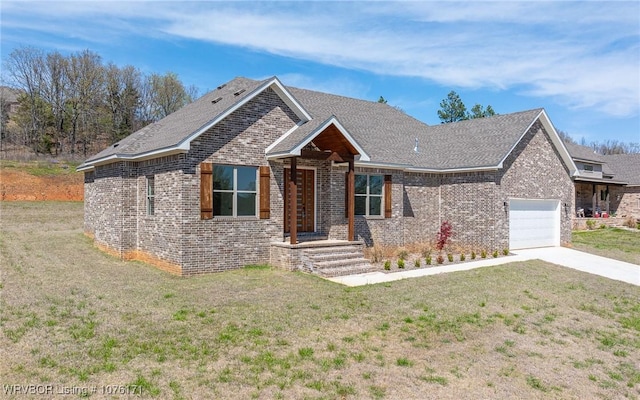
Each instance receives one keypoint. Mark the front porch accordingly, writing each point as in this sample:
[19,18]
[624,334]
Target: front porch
[327,258]
[580,224]
[596,199]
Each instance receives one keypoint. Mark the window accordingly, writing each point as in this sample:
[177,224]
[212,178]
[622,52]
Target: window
[151,194]
[368,200]
[234,191]
[588,167]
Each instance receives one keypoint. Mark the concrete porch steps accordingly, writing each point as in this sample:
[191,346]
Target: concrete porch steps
[336,260]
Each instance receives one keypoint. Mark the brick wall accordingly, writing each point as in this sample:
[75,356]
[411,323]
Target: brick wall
[629,203]
[535,170]
[227,243]
[103,207]
[178,240]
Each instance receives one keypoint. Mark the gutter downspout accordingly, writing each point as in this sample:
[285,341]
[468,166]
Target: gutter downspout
[440,204]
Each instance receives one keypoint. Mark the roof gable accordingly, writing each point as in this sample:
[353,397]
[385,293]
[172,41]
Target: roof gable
[292,144]
[174,133]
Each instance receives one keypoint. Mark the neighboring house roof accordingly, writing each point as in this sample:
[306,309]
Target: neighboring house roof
[382,135]
[621,169]
[626,167]
[584,153]
[9,95]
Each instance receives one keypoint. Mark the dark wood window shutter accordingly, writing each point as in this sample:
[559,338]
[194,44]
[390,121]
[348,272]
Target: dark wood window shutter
[387,196]
[206,190]
[265,192]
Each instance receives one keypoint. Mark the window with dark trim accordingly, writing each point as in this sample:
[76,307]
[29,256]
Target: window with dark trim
[234,191]
[151,194]
[368,201]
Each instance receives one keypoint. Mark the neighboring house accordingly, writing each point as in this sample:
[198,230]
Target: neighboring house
[210,188]
[626,198]
[606,183]
[9,100]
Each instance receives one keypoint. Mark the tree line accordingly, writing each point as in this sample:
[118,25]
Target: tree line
[76,103]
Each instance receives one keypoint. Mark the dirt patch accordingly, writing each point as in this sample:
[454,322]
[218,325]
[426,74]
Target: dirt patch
[19,185]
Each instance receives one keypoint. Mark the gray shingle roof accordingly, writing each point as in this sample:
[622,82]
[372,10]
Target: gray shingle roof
[386,134]
[625,166]
[584,153]
[389,135]
[483,142]
[176,127]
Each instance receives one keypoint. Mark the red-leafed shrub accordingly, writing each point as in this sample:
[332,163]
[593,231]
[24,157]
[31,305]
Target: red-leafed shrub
[444,234]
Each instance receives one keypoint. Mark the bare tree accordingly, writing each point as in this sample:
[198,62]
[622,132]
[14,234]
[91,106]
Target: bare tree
[85,74]
[168,94]
[122,98]
[54,91]
[25,67]
[70,101]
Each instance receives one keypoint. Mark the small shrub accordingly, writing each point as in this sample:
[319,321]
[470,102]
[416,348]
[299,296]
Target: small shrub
[495,254]
[462,257]
[603,226]
[440,259]
[417,263]
[426,252]
[450,257]
[473,255]
[638,225]
[387,265]
[444,234]
[403,254]
[483,254]
[591,224]
[630,222]
[505,252]
[427,260]
[376,254]
[400,263]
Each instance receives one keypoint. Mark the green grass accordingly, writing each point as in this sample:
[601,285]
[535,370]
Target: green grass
[41,168]
[616,243]
[70,313]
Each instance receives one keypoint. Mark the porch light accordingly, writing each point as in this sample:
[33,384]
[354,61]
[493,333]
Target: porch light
[505,205]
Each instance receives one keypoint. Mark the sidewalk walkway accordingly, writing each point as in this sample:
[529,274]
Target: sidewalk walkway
[609,268]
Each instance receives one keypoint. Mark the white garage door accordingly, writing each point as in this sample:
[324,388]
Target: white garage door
[534,223]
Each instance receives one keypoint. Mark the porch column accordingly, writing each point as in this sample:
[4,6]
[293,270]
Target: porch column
[351,196]
[293,203]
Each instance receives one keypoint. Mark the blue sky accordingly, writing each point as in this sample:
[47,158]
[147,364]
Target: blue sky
[580,61]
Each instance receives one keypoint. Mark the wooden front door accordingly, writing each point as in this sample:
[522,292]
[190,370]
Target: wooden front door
[305,181]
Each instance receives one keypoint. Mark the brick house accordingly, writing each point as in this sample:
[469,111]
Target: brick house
[258,172]
[606,183]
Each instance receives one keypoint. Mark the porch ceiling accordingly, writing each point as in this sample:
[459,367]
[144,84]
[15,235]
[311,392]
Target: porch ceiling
[332,139]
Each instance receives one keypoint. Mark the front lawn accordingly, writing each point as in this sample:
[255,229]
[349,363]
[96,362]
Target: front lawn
[73,317]
[616,243]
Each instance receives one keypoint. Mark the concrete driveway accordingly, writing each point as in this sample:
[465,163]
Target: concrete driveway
[585,262]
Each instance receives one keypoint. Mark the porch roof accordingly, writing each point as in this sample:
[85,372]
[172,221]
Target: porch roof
[586,179]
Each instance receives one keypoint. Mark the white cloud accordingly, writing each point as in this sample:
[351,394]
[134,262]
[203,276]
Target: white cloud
[582,55]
